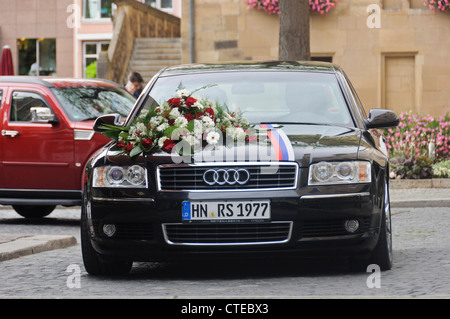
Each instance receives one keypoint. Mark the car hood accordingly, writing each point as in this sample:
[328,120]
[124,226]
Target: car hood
[304,144]
[313,143]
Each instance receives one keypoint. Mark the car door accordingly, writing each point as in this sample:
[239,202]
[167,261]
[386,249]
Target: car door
[35,154]
[3,91]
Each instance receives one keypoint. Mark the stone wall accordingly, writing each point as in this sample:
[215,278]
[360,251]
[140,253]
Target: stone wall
[403,65]
[35,19]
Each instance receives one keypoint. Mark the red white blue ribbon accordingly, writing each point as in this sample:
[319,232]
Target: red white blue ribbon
[280,142]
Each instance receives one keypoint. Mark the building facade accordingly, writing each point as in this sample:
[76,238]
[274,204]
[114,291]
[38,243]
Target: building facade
[61,38]
[396,52]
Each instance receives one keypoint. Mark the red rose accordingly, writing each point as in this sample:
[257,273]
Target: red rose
[190,101]
[174,102]
[120,144]
[129,147]
[189,117]
[198,114]
[147,143]
[168,145]
[209,111]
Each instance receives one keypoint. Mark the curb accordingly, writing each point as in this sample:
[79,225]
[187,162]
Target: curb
[15,247]
[420,203]
[419,183]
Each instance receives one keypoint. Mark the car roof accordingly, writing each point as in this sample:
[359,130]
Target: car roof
[51,82]
[315,66]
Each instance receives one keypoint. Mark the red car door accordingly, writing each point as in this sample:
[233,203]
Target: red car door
[35,155]
[3,92]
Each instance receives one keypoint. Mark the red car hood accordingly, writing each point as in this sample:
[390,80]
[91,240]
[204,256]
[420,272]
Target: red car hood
[85,125]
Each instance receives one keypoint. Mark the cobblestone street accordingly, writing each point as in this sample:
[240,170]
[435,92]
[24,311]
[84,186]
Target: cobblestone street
[421,267]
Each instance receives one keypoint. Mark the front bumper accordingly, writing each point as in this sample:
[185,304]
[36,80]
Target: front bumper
[302,224]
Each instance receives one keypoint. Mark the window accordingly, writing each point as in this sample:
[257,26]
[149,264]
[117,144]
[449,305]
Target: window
[23,104]
[165,5]
[87,103]
[312,97]
[91,53]
[322,58]
[37,56]
[97,9]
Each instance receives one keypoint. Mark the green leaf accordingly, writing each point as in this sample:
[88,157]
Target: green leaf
[190,126]
[136,151]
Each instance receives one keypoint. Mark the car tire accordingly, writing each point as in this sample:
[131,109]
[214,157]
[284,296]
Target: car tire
[93,264]
[33,211]
[382,254]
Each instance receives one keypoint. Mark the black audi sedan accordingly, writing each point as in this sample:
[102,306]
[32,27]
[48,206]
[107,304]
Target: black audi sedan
[305,174]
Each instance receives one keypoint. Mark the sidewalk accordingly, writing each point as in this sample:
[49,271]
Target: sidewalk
[420,197]
[18,245]
[15,246]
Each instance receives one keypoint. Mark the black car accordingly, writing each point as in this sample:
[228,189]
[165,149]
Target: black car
[317,184]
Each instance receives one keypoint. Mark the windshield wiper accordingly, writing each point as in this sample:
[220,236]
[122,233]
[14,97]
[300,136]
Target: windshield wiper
[308,123]
[295,123]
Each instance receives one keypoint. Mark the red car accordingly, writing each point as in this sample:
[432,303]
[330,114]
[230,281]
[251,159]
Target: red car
[47,137]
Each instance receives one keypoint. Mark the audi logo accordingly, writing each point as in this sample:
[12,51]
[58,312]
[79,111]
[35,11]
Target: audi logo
[223,176]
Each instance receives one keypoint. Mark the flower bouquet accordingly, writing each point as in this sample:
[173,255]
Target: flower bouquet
[182,124]
[272,6]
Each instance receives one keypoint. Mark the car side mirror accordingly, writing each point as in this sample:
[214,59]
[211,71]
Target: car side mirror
[43,115]
[380,118]
[101,123]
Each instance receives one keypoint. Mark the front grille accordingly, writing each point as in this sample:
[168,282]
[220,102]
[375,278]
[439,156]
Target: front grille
[329,228]
[173,177]
[227,234]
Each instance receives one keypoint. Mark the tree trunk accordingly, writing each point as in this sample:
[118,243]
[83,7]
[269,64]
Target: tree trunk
[294,30]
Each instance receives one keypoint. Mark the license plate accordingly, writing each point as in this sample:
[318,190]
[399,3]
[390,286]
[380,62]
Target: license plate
[226,211]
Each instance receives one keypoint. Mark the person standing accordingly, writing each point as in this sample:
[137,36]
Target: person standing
[135,84]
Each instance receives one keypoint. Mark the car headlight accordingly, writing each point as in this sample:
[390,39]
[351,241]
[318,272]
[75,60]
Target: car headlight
[134,176]
[327,173]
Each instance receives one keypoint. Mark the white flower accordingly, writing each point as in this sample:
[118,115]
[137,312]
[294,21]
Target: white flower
[181,121]
[213,138]
[198,105]
[162,127]
[155,121]
[182,93]
[174,113]
[207,122]
[161,141]
[141,128]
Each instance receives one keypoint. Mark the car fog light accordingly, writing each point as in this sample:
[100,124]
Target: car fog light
[351,225]
[109,229]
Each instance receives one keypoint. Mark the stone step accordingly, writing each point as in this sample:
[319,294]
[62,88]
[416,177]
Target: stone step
[138,56]
[150,55]
[150,62]
[157,44]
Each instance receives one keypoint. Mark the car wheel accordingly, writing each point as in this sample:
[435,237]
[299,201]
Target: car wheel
[382,254]
[93,264]
[33,211]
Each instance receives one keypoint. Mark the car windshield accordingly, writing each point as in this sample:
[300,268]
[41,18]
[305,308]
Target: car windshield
[266,97]
[87,103]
